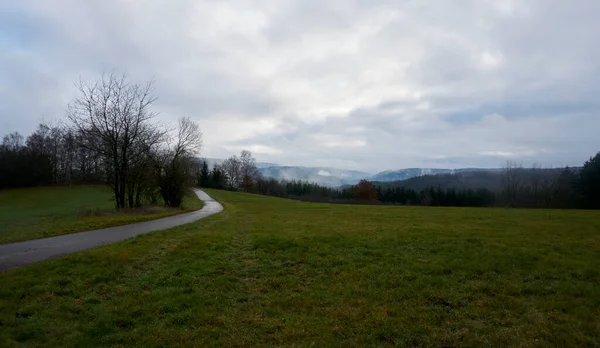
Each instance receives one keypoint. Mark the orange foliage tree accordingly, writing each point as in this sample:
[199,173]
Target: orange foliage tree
[365,191]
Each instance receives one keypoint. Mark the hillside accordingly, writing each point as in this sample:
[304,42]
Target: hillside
[415,178]
[212,161]
[276,272]
[324,176]
[474,179]
[332,177]
[464,180]
[404,174]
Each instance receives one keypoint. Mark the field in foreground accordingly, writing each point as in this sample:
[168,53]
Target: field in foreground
[268,271]
[50,211]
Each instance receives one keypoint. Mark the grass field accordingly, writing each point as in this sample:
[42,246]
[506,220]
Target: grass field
[49,211]
[276,272]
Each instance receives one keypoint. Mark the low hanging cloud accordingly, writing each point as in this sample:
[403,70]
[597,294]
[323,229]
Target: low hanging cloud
[368,85]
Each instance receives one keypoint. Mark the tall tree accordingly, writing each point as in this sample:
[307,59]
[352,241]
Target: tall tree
[512,181]
[564,195]
[217,178]
[114,119]
[248,171]
[20,166]
[178,161]
[365,191]
[588,183]
[12,141]
[535,181]
[233,175]
[203,174]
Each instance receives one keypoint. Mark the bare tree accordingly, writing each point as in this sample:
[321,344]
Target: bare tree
[69,161]
[512,177]
[232,169]
[113,117]
[248,171]
[21,166]
[536,178]
[178,167]
[49,140]
[240,172]
[188,140]
[13,141]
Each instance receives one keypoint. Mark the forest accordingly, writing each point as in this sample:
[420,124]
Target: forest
[110,136]
[514,186]
[60,155]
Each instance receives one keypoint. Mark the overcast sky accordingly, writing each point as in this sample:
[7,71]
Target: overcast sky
[371,85]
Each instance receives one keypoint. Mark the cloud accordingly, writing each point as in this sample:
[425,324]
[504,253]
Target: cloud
[256,149]
[364,85]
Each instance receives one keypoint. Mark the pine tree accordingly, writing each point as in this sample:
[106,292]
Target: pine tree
[588,183]
[204,175]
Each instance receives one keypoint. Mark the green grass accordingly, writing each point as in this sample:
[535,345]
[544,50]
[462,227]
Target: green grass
[49,211]
[275,272]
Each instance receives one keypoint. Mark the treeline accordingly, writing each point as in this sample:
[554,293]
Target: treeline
[438,197]
[519,187]
[368,193]
[235,173]
[491,180]
[51,155]
[109,136]
[542,188]
[240,174]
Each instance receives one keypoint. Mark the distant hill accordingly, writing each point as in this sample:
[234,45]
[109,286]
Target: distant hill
[325,176]
[416,178]
[212,161]
[404,174]
[333,177]
[472,179]
[461,180]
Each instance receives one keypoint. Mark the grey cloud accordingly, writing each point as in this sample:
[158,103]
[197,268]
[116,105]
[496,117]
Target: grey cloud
[365,85]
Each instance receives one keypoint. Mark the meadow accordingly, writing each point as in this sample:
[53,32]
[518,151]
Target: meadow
[275,272]
[41,212]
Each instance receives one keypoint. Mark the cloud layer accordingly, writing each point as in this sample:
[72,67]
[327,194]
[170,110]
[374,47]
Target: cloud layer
[368,85]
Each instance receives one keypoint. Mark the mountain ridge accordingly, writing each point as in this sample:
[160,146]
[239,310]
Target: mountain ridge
[336,177]
[326,176]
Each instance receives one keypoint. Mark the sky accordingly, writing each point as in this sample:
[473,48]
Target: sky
[366,85]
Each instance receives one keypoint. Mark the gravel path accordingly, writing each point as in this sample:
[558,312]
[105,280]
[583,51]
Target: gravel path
[15,255]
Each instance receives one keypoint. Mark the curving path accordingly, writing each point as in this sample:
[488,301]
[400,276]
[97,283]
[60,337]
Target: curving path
[15,255]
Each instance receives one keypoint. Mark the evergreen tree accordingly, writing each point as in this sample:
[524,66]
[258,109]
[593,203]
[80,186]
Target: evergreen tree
[588,183]
[203,174]
[564,194]
[216,178]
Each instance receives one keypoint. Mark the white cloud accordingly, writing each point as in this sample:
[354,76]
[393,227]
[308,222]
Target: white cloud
[262,149]
[508,154]
[489,60]
[364,85]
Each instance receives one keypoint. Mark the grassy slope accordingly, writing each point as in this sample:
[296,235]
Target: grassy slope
[277,272]
[49,211]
